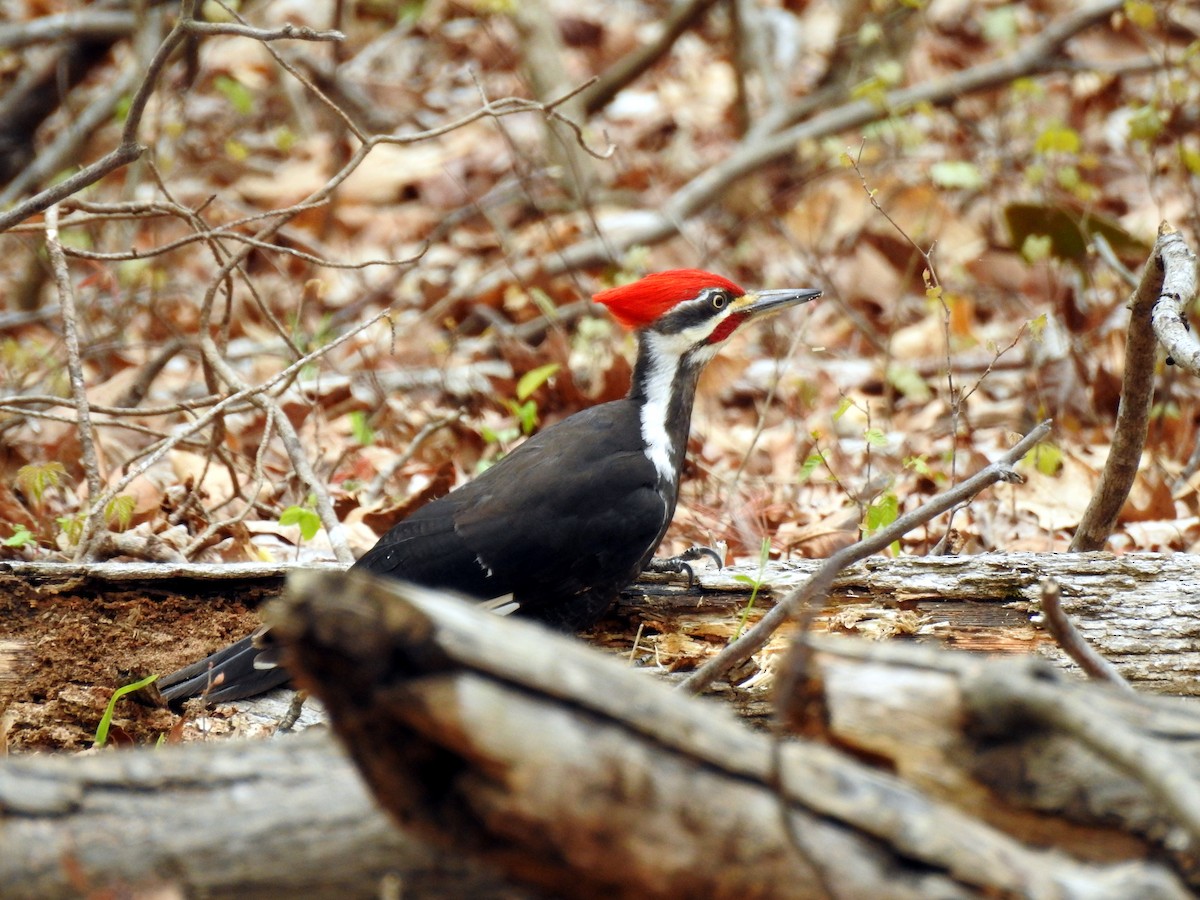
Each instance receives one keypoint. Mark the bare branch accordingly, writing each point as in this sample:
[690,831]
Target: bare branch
[91,24]
[375,490]
[87,435]
[223,406]
[1074,644]
[1133,413]
[1169,317]
[817,586]
[286,32]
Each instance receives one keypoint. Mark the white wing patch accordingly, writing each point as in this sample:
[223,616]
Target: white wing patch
[504,605]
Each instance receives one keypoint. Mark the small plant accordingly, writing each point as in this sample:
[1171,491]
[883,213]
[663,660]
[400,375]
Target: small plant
[71,526]
[20,537]
[756,583]
[524,408]
[101,737]
[361,429]
[119,510]
[883,511]
[303,516]
[37,478]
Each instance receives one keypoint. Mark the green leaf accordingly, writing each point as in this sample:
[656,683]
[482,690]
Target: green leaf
[883,512]
[36,478]
[1036,247]
[875,437]
[842,408]
[361,429]
[120,509]
[1046,458]
[810,466]
[527,415]
[19,538]
[72,527]
[236,150]
[307,519]
[1057,139]
[918,465]
[1140,13]
[238,95]
[956,174]
[1000,25]
[106,719]
[534,379]
[1146,124]
[909,382]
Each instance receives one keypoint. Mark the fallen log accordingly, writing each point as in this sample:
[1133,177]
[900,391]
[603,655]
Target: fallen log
[1141,610]
[263,819]
[492,740]
[585,777]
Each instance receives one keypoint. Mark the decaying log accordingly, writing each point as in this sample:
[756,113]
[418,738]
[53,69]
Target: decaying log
[1140,610]
[277,819]
[586,777]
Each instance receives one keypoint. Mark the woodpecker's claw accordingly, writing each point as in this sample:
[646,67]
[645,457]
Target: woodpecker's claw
[678,565]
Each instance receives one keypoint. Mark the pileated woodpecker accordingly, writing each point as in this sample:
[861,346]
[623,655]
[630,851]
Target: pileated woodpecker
[558,527]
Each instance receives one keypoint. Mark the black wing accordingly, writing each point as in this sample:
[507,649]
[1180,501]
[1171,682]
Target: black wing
[574,509]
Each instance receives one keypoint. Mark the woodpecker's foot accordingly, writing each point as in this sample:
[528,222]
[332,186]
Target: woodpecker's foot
[678,565]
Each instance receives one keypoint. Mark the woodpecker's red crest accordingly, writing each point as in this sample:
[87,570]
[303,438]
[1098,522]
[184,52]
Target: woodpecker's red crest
[638,304]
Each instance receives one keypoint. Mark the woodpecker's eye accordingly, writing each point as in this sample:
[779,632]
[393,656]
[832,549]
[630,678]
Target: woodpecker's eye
[718,299]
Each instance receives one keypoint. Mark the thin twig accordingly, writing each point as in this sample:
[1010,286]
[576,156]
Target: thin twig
[1039,55]
[818,585]
[225,405]
[286,32]
[87,435]
[201,540]
[1072,642]
[379,482]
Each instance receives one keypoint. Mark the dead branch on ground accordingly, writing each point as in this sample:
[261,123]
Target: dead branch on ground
[1137,389]
[263,819]
[799,601]
[577,774]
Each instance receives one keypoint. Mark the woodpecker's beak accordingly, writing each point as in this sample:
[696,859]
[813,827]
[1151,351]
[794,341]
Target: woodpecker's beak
[764,303]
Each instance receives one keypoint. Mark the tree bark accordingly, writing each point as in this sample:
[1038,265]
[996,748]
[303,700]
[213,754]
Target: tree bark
[580,775]
[276,819]
[1139,610]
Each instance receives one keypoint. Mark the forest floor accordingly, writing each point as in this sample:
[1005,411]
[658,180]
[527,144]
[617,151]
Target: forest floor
[431,307]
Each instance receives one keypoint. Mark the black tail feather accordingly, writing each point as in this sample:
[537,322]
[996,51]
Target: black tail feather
[228,674]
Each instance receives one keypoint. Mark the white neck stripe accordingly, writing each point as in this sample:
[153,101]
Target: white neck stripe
[659,381]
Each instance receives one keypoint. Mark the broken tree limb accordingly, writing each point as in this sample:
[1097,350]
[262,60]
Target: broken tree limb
[1170,256]
[1093,758]
[1177,291]
[274,819]
[803,600]
[583,776]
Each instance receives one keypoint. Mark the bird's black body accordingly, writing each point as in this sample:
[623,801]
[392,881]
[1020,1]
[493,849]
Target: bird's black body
[562,523]
[558,526]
